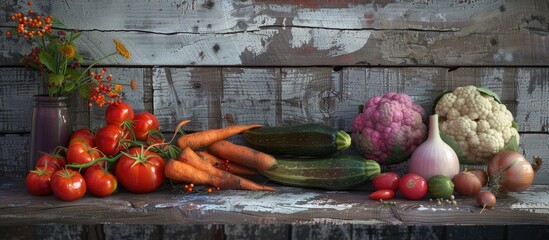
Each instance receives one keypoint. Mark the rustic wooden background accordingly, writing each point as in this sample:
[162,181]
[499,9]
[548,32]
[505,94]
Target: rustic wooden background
[291,61]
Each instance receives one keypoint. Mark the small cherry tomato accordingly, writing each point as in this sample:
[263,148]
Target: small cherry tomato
[81,153]
[412,186]
[383,194]
[143,123]
[83,135]
[68,185]
[110,139]
[100,182]
[53,160]
[118,112]
[386,181]
[38,181]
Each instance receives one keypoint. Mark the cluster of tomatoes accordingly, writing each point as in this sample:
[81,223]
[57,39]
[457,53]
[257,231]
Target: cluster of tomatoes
[411,186]
[129,149]
[414,187]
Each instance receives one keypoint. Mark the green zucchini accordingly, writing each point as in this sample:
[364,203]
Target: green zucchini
[312,139]
[338,172]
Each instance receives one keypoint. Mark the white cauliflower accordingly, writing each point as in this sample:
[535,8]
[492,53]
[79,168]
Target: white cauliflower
[478,123]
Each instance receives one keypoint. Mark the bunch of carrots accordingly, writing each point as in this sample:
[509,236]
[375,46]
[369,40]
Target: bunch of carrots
[207,158]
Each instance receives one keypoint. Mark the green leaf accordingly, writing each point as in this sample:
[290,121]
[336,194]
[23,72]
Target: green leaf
[514,125]
[69,87]
[48,61]
[396,155]
[55,79]
[84,92]
[513,144]
[73,74]
[54,90]
[489,92]
[459,152]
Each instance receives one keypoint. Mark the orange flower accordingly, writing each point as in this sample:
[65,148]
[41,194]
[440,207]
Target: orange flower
[121,49]
[118,88]
[67,51]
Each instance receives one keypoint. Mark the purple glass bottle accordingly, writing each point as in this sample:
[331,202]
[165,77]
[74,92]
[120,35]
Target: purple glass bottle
[51,125]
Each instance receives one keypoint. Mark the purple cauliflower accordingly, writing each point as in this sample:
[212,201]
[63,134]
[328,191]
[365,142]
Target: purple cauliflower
[389,128]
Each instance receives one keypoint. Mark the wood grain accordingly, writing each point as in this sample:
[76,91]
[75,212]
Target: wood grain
[285,206]
[251,33]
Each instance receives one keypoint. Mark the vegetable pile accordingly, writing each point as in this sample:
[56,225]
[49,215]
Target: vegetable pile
[468,125]
[130,150]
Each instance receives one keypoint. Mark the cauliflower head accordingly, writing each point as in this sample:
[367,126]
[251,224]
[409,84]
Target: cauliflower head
[475,123]
[389,128]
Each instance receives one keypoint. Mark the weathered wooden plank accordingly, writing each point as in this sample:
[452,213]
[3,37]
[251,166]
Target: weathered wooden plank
[388,232]
[322,232]
[14,154]
[285,206]
[536,145]
[257,232]
[188,93]
[490,32]
[334,97]
[532,95]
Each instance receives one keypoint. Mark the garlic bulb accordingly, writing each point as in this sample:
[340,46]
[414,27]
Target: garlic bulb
[434,156]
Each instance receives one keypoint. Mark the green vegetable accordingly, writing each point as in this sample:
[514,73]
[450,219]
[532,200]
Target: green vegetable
[440,186]
[333,173]
[312,139]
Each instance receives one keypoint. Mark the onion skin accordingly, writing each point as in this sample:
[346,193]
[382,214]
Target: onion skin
[481,174]
[434,156]
[509,171]
[467,184]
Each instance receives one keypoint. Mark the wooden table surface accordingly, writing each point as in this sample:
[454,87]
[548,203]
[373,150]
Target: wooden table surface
[288,205]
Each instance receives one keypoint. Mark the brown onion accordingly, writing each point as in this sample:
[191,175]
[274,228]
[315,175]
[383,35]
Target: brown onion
[467,184]
[481,174]
[509,171]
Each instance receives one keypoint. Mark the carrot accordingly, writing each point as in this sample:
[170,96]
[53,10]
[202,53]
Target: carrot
[227,180]
[226,165]
[190,157]
[204,138]
[250,185]
[183,172]
[243,155]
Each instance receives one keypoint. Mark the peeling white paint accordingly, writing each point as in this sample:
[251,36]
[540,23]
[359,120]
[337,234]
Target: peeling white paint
[535,202]
[503,55]
[338,42]
[435,209]
[286,203]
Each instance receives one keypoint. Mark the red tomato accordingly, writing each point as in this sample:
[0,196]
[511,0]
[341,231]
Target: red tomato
[110,139]
[68,185]
[386,181]
[100,182]
[143,123]
[383,194]
[413,186]
[141,171]
[83,135]
[38,181]
[118,112]
[53,160]
[81,153]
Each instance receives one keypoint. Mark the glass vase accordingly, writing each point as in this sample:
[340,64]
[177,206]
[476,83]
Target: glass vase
[51,125]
